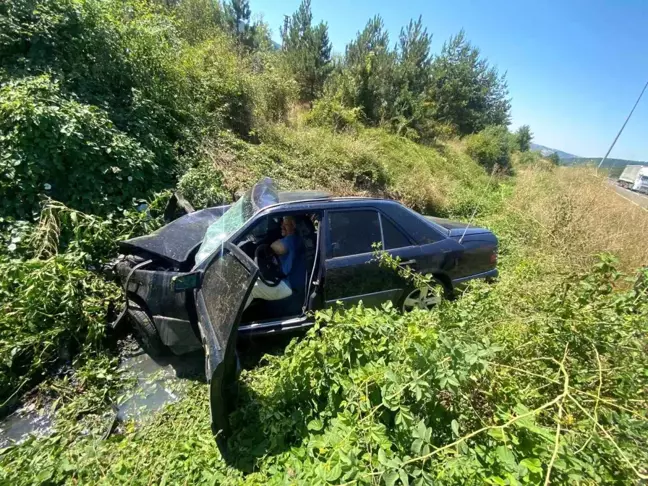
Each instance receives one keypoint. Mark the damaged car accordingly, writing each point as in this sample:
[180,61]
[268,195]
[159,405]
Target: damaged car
[263,264]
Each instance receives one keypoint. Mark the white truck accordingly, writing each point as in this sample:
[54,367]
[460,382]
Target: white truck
[635,177]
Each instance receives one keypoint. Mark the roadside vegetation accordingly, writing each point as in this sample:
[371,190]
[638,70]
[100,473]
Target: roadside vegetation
[105,107]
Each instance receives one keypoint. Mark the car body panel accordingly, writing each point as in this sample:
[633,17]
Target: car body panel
[176,241]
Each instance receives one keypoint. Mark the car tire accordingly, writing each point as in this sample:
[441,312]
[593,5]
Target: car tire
[145,332]
[415,298]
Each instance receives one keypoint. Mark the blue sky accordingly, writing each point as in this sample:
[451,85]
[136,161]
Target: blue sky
[574,68]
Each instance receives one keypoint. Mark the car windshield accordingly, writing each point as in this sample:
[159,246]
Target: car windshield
[261,195]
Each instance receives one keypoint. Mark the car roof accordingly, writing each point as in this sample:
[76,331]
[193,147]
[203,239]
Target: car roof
[325,202]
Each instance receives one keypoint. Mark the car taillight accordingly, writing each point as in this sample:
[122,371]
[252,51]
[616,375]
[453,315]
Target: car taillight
[493,257]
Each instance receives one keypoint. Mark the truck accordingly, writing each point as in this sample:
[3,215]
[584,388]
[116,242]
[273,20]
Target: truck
[635,178]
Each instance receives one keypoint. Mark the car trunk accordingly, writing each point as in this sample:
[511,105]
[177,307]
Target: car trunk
[480,246]
[456,229]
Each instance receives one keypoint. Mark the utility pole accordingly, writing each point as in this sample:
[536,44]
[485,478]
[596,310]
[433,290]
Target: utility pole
[624,124]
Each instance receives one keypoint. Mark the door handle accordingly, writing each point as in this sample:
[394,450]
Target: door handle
[408,262]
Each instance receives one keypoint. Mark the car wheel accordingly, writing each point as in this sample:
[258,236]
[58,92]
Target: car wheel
[425,298]
[145,332]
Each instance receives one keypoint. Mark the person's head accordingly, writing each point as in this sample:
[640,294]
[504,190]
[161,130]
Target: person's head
[288,225]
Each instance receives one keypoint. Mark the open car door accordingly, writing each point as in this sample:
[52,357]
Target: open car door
[227,280]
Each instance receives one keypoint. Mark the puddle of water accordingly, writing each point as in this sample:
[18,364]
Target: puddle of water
[25,421]
[158,383]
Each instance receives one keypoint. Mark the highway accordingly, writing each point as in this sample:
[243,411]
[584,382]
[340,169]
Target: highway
[635,197]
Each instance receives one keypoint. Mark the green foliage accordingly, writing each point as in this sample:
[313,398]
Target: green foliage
[308,51]
[53,304]
[467,92]
[275,89]
[523,137]
[471,393]
[491,146]
[203,187]
[370,64]
[554,158]
[331,113]
[66,150]
[50,308]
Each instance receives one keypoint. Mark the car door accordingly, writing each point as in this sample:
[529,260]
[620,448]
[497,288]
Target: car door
[227,278]
[351,272]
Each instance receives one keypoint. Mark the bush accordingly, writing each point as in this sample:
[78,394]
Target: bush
[51,309]
[275,90]
[203,187]
[491,146]
[66,150]
[331,113]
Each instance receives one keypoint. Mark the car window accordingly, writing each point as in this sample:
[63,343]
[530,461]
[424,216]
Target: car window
[394,238]
[353,232]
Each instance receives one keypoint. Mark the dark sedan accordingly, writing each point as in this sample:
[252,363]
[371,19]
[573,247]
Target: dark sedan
[189,283]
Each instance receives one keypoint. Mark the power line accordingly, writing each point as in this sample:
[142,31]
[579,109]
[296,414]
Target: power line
[624,124]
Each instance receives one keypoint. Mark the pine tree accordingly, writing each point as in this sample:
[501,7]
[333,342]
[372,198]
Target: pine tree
[467,92]
[308,50]
[523,137]
[371,64]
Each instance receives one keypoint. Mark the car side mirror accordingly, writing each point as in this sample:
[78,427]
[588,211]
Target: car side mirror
[186,281]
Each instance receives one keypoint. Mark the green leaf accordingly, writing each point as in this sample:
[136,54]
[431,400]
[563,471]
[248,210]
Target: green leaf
[315,425]
[455,428]
[533,464]
[390,478]
[506,457]
[382,457]
[334,473]
[420,430]
[416,446]
[403,477]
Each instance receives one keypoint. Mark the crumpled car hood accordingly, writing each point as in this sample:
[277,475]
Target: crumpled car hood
[176,241]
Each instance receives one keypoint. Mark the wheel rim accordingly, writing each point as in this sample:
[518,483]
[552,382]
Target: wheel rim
[425,298]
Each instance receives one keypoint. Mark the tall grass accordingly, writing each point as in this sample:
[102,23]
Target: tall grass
[440,180]
[567,216]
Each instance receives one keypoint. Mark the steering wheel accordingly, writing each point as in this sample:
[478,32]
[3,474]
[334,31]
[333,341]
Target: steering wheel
[269,265]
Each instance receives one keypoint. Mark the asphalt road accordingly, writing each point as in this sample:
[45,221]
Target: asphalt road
[635,197]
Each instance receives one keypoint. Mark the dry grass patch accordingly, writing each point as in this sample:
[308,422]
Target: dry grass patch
[570,215]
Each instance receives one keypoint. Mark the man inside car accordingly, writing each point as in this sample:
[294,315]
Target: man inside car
[289,249]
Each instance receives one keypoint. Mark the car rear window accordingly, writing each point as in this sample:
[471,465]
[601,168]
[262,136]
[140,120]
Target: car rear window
[353,232]
[394,238]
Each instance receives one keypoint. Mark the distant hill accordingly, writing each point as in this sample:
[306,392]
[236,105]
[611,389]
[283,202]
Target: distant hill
[548,151]
[614,166]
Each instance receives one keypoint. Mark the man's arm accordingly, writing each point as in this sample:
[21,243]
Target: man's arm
[279,248]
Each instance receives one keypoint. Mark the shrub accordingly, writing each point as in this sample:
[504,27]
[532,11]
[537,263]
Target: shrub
[275,90]
[67,150]
[331,113]
[203,186]
[51,308]
[490,146]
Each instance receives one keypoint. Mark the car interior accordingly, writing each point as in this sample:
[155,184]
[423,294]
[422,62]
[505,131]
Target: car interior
[256,244]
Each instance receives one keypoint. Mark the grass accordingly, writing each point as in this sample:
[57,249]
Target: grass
[569,215]
[439,180]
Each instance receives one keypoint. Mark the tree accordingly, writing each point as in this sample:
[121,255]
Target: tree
[308,51]
[252,35]
[523,137]
[411,108]
[467,92]
[554,158]
[371,65]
